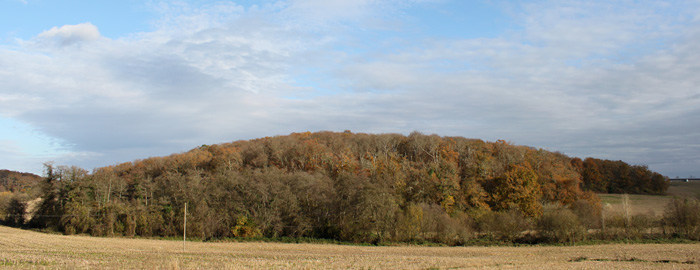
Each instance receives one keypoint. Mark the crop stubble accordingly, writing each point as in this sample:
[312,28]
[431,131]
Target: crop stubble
[27,249]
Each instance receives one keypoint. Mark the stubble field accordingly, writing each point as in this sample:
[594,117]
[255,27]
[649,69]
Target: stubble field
[28,249]
[653,205]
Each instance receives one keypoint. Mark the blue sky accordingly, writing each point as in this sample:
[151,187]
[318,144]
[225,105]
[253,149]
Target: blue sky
[25,19]
[96,83]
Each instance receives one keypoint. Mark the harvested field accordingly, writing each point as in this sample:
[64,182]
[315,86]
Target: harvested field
[27,249]
[650,204]
[639,204]
[685,189]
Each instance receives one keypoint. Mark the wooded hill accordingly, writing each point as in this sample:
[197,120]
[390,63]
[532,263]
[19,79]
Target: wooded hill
[344,186]
[15,190]
[11,181]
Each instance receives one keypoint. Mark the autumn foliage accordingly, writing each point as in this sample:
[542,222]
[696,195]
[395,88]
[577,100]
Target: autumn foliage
[11,181]
[609,176]
[344,186]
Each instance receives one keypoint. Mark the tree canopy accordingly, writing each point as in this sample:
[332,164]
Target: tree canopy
[345,186]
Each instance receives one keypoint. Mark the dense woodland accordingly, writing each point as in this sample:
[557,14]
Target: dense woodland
[11,181]
[16,188]
[609,176]
[342,186]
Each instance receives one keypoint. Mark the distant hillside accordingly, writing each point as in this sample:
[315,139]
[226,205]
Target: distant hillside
[15,190]
[609,176]
[354,187]
[17,181]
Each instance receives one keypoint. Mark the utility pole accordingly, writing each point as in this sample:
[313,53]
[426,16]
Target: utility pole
[184,229]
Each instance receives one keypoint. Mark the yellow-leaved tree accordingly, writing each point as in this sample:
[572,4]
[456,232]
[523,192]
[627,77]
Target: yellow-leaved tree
[517,188]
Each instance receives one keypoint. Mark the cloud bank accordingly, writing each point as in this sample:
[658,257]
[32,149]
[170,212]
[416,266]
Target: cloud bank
[600,79]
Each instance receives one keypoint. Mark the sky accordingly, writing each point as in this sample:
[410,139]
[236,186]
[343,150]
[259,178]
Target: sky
[97,83]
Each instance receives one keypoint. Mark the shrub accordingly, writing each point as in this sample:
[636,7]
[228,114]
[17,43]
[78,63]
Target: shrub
[683,216]
[439,227]
[16,209]
[5,197]
[408,225]
[588,213]
[560,225]
[245,228]
[506,226]
[636,226]
[616,227]
[640,225]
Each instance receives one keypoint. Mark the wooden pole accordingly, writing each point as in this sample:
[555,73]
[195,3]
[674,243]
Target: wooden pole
[184,230]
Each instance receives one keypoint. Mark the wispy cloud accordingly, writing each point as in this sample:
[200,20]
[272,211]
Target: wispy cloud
[585,78]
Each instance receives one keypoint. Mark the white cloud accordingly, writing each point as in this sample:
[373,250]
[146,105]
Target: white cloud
[219,72]
[621,94]
[69,34]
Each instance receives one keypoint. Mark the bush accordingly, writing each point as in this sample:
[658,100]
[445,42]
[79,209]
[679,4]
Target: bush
[588,213]
[408,225]
[640,225]
[437,226]
[245,228]
[636,226]
[505,226]
[16,209]
[5,197]
[559,225]
[683,216]
[616,227]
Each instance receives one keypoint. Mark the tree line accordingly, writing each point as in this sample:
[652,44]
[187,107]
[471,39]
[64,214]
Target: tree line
[609,176]
[17,182]
[342,186]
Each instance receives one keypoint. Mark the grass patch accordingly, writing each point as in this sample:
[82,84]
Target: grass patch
[639,204]
[685,189]
[645,204]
